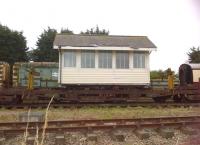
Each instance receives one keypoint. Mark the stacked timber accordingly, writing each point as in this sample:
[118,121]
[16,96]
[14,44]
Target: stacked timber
[4,74]
[15,74]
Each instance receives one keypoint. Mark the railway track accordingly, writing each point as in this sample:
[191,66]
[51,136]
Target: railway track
[91,125]
[86,104]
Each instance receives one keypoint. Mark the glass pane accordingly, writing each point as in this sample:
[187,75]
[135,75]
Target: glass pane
[117,60]
[122,60]
[88,59]
[105,59]
[139,60]
[70,59]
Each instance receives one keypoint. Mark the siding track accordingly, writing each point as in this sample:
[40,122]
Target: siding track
[80,105]
[90,125]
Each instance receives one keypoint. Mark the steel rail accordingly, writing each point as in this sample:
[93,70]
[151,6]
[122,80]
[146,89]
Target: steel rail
[82,104]
[80,125]
[99,127]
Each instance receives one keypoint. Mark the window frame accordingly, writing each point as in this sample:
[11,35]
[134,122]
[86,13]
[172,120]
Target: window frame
[105,59]
[140,62]
[122,60]
[74,57]
[91,57]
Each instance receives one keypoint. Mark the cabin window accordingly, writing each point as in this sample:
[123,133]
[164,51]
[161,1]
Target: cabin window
[139,60]
[87,59]
[105,59]
[122,60]
[70,58]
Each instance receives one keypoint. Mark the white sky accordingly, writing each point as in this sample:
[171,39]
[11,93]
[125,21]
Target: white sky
[173,25]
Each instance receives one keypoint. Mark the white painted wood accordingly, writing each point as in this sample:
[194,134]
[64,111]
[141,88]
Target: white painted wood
[104,76]
[105,48]
[130,59]
[96,59]
[78,75]
[196,75]
[114,59]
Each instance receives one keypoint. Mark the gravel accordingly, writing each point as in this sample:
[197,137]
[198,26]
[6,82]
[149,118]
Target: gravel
[105,138]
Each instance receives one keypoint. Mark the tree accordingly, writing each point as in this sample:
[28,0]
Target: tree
[44,50]
[66,31]
[160,74]
[194,55]
[12,46]
[95,31]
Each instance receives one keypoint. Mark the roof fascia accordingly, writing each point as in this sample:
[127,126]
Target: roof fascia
[104,48]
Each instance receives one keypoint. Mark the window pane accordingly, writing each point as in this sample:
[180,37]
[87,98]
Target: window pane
[105,59]
[143,61]
[122,60]
[88,59]
[70,59]
[139,60]
[110,61]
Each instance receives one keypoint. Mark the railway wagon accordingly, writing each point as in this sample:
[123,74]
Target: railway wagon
[189,88]
[4,74]
[45,74]
[189,73]
[99,67]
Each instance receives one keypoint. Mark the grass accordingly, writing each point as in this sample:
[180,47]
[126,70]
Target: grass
[117,112]
[102,113]
[36,141]
[95,113]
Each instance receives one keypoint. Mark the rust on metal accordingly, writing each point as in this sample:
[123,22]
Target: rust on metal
[105,124]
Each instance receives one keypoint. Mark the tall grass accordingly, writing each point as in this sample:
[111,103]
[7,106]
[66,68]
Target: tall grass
[26,132]
[45,122]
[36,141]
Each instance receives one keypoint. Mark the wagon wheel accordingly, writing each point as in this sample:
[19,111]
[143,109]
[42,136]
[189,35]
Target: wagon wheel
[185,98]
[177,98]
[18,99]
[159,99]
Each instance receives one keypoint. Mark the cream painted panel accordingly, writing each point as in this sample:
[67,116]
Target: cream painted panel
[196,75]
[113,76]
[80,75]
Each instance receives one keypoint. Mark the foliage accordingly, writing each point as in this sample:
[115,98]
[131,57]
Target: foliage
[44,50]
[157,74]
[12,45]
[160,74]
[194,55]
[66,31]
[95,31]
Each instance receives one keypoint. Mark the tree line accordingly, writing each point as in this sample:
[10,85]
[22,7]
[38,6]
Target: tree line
[13,44]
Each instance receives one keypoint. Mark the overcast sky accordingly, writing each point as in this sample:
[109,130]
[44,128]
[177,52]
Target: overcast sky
[172,25]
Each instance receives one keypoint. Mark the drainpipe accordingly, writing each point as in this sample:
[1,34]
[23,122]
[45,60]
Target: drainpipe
[60,56]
